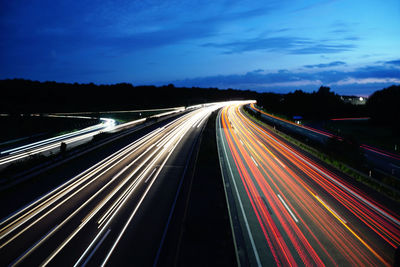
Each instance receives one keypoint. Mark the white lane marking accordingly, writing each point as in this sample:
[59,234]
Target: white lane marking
[240,202]
[280,162]
[254,161]
[287,207]
[330,209]
[205,117]
[96,247]
[151,174]
[26,253]
[344,187]
[179,136]
[120,154]
[139,203]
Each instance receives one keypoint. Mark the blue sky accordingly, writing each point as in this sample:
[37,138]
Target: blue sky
[279,46]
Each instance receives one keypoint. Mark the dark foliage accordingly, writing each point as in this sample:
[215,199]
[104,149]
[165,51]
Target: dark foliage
[384,106]
[347,150]
[25,96]
[322,104]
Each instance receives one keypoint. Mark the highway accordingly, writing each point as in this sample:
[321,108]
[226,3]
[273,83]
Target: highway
[381,161]
[286,209]
[53,144]
[89,219]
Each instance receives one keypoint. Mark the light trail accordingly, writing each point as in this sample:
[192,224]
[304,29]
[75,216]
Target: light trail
[52,144]
[282,192]
[86,207]
[328,134]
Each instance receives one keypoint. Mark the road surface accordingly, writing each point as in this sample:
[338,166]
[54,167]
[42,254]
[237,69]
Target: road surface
[53,144]
[381,161]
[288,210]
[100,216]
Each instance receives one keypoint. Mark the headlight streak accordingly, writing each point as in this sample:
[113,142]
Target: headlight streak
[183,131]
[107,125]
[124,196]
[61,194]
[53,139]
[54,142]
[84,221]
[115,192]
[135,210]
[261,171]
[98,166]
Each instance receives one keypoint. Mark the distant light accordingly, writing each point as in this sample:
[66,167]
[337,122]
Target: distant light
[361,99]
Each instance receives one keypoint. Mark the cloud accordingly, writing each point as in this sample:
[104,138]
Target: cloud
[258,71]
[326,65]
[352,81]
[393,62]
[323,49]
[268,44]
[288,44]
[364,80]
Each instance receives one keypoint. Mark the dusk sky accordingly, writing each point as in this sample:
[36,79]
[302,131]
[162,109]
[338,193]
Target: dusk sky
[352,46]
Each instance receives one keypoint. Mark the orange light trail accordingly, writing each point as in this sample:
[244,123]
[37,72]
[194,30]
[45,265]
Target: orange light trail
[306,213]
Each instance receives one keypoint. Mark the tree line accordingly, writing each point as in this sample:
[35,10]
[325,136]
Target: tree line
[26,96]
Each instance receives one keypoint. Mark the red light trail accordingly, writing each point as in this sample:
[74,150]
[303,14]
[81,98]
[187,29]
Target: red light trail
[298,211]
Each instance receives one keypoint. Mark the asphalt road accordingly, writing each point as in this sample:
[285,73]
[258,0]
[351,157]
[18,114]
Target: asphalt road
[112,213]
[52,145]
[381,161]
[287,209]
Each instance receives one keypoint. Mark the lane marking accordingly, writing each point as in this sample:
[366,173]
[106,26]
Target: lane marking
[341,185]
[287,207]
[94,250]
[240,202]
[151,174]
[254,161]
[330,209]
[280,162]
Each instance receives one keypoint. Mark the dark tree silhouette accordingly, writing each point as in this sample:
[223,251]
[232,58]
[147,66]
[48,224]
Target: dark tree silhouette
[323,104]
[384,106]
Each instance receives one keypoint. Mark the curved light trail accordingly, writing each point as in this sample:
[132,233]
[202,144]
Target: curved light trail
[294,211]
[92,211]
[53,144]
[330,135]
[18,153]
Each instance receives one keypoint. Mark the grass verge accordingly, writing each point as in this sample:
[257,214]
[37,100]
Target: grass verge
[385,186]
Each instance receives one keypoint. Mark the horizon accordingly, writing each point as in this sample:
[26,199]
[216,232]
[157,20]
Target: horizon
[205,88]
[249,45]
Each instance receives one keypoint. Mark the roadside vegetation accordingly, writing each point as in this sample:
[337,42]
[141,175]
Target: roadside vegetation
[366,132]
[342,156]
[122,116]
[34,163]
[318,108]
[17,129]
